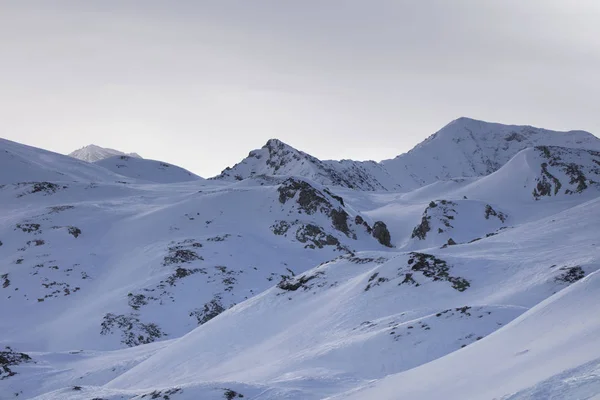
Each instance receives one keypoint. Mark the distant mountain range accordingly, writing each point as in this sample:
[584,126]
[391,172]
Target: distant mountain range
[463,148]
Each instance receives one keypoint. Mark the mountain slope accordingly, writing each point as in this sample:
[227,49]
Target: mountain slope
[386,311]
[279,159]
[93,153]
[20,163]
[147,170]
[325,278]
[146,263]
[301,338]
[471,148]
[541,173]
[463,148]
[551,351]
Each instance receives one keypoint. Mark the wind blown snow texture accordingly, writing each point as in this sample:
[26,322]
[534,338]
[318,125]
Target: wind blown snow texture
[470,262]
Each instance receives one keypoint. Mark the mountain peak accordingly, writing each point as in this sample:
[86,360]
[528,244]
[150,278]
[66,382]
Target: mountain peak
[274,143]
[465,147]
[93,153]
[278,145]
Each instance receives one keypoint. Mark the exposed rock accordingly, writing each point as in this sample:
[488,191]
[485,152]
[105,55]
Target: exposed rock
[420,231]
[293,284]
[339,219]
[280,227]
[570,274]
[315,237]
[338,198]
[47,188]
[5,280]
[445,214]
[434,268]
[181,273]
[133,331]
[161,394]
[180,255]
[309,199]
[209,311]
[562,159]
[360,221]
[375,280]
[74,231]
[29,228]
[490,211]
[9,358]
[382,234]
[232,394]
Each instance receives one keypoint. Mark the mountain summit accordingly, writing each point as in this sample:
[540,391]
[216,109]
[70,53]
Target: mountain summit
[278,158]
[93,153]
[471,148]
[463,148]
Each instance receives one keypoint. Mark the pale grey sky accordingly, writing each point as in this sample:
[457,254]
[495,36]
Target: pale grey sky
[201,83]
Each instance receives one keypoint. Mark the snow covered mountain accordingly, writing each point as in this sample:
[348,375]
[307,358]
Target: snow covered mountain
[279,159]
[288,277]
[463,148]
[471,148]
[93,153]
[20,163]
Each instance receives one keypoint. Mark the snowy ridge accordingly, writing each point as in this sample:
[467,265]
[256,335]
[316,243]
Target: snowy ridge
[20,163]
[92,153]
[541,173]
[463,148]
[278,158]
[471,148]
[147,170]
[290,277]
[531,358]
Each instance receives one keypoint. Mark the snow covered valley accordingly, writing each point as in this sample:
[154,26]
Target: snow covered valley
[466,268]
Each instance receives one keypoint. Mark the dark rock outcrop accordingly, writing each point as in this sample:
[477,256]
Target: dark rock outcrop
[382,234]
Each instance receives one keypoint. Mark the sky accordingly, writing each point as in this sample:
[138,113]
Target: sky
[201,83]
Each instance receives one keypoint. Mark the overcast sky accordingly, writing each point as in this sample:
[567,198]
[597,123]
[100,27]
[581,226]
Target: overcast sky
[201,83]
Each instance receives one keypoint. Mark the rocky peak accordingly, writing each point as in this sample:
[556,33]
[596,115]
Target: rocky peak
[463,148]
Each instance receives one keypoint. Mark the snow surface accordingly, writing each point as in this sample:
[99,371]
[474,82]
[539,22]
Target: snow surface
[93,153]
[125,279]
[147,170]
[551,351]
